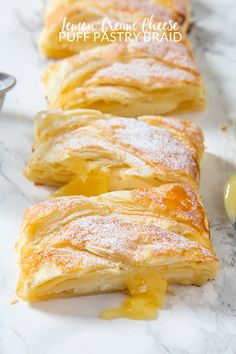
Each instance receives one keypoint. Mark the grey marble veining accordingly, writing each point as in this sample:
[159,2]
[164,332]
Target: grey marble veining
[195,320]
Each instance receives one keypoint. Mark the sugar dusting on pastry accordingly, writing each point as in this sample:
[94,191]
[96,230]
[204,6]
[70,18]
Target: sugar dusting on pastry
[107,236]
[128,78]
[146,74]
[167,52]
[157,144]
[111,237]
[155,148]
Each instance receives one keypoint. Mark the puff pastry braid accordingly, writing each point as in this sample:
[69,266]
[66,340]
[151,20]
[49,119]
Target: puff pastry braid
[127,79]
[93,12]
[72,246]
[131,153]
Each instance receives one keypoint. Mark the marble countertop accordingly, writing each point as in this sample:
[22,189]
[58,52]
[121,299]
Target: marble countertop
[195,320]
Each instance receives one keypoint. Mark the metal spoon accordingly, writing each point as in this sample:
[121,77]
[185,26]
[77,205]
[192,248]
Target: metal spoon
[230,199]
[7,82]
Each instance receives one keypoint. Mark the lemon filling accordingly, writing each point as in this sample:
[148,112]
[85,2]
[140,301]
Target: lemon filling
[146,296]
[96,182]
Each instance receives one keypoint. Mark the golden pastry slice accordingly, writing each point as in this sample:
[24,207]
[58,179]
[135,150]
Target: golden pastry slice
[113,153]
[127,79]
[140,239]
[93,13]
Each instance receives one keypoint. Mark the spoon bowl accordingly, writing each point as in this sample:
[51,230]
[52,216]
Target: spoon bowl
[230,199]
[7,82]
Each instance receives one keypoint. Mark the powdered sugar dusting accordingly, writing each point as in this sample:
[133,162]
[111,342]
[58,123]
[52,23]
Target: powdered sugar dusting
[157,144]
[146,73]
[108,237]
[170,52]
[141,148]
[94,239]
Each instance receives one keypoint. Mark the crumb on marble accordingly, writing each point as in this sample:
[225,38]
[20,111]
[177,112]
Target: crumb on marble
[14,300]
[224,128]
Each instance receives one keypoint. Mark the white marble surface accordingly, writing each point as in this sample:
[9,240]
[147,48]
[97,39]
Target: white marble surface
[195,320]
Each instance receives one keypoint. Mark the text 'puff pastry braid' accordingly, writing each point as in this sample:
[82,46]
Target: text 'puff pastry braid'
[93,13]
[147,151]
[79,245]
[127,79]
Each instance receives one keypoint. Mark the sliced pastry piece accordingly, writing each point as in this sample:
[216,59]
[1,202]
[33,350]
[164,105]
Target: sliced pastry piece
[128,79]
[92,13]
[142,240]
[113,153]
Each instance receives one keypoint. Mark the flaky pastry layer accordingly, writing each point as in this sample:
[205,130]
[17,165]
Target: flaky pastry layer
[129,79]
[77,245]
[147,151]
